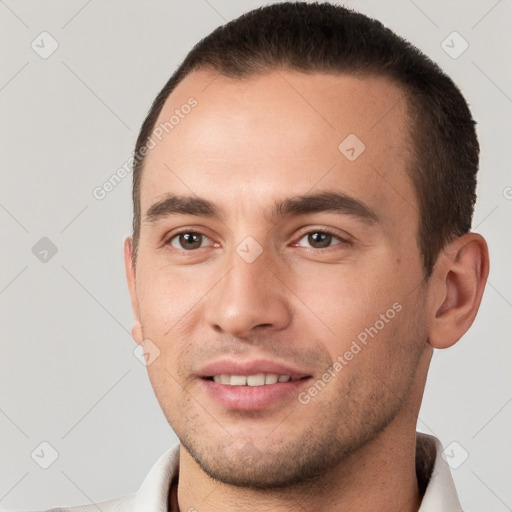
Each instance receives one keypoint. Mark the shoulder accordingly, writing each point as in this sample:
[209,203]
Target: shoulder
[123,504]
[151,496]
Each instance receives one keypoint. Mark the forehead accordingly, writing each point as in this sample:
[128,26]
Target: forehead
[283,132]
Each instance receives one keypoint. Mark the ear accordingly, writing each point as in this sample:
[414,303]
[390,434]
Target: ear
[457,286]
[130,278]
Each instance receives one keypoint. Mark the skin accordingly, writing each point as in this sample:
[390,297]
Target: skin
[246,145]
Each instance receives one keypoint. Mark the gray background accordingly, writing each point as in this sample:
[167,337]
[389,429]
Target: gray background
[68,375]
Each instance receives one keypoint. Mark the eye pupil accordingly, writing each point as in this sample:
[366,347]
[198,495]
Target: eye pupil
[319,240]
[190,240]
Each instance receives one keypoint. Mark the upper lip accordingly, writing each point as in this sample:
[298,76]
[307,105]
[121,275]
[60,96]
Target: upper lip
[249,367]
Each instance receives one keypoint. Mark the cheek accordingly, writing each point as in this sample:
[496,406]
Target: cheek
[350,301]
[168,297]
[394,341]
[168,372]
[169,390]
[379,363]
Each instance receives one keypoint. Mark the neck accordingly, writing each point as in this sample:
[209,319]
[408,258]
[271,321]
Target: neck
[379,477]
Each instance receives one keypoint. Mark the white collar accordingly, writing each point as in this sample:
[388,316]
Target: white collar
[440,495]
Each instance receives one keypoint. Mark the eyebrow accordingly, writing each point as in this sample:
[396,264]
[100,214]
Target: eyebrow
[300,205]
[186,205]
[326,202]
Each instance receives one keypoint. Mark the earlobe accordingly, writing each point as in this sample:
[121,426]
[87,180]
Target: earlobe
[458,283]
[129,264]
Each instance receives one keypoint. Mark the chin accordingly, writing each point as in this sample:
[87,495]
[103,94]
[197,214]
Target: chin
[293,464]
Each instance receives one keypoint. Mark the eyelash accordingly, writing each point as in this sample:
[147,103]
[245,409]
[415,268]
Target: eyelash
[326,231]
[184,232]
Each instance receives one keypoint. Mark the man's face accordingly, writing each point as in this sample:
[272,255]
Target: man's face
[267,249]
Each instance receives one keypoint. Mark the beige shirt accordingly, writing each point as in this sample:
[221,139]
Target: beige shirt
[152,496]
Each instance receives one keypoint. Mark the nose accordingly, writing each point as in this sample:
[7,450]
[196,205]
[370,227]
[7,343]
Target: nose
[249,298]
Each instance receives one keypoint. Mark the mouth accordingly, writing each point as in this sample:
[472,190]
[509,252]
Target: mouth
[252,385]
[258,379]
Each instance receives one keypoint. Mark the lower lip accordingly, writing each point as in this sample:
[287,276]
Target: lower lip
[252,398]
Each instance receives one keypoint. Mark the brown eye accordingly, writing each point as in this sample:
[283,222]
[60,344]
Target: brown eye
[319,240]
[188,241]
[323,240]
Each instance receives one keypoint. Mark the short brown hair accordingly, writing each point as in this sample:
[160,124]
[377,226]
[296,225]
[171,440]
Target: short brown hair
[321,37]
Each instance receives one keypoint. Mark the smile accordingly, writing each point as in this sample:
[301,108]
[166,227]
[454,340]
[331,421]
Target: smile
[258,379]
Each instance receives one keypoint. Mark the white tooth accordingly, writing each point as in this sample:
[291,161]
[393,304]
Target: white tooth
[283,378]
[225,379]
[238,380]
[256,380]
[271,378]
[216,378]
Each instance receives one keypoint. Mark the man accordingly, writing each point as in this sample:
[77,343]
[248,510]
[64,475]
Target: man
[303,193]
